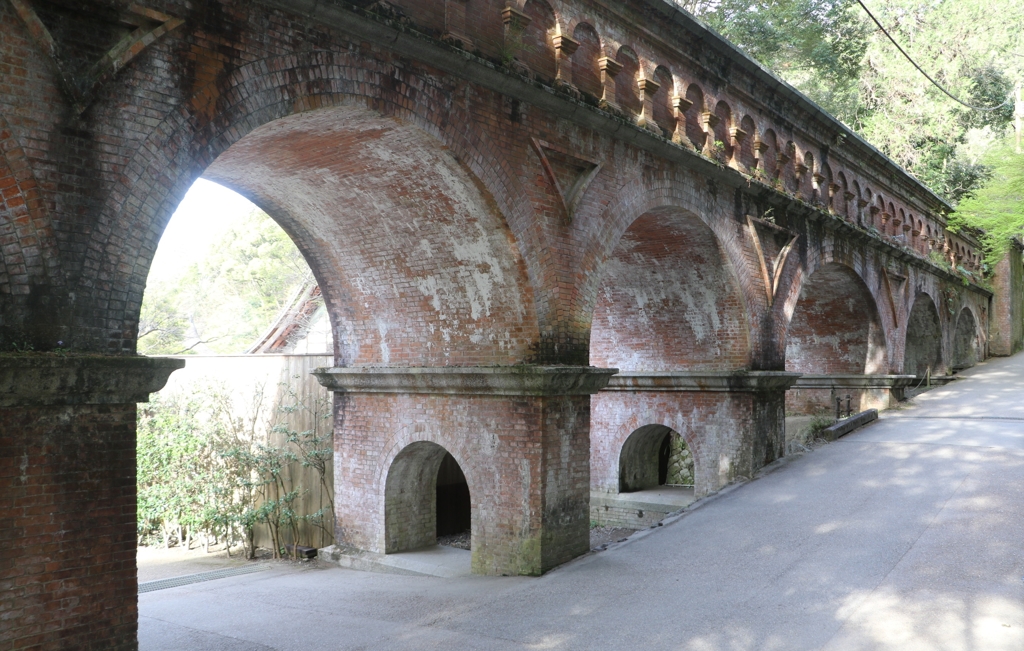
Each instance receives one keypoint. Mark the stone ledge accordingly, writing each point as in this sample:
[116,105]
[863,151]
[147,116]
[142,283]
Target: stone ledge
[844,427]
[444,562]
[843,381]
[45,380]
[471,380]
[703,381]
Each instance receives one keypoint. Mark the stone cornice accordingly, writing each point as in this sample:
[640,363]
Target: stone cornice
[740,381]
[841,381]
[35,380]
[469,380]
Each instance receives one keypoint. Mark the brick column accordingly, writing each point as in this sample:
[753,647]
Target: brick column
[648,89]
[609,68]
[520,435]
[1007,319]
[565,47]
[680,106]
[68,578]
[733,422]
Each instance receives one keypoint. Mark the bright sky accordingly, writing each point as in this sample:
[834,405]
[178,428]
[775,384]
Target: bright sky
[204,215]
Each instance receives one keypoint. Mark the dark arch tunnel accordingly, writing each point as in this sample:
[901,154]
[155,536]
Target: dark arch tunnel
[652,456]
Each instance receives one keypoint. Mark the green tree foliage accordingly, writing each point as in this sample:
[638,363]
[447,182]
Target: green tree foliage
[831,51]
[816,45]
[209,468]
[222,304]
[970,48]
[998,207]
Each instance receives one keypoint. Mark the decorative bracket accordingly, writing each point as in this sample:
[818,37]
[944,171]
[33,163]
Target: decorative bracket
[81,85]
[771,276]
[570,174]
[900,280]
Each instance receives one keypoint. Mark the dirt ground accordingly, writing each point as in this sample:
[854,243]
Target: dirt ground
[158,563]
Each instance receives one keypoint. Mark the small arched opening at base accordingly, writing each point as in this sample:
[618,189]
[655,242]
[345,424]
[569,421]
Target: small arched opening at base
[653,456]
[426,496]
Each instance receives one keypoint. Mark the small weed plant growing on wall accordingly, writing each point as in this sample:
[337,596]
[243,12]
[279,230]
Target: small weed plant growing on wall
[213,470]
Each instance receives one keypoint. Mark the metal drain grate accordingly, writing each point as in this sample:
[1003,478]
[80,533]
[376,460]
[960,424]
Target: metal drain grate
[174,582]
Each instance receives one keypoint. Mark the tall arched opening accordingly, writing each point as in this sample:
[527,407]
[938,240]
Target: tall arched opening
[671,315]
[923,351]
[967,346]
[835,337]
[426,495]
[669,300]
[418,268]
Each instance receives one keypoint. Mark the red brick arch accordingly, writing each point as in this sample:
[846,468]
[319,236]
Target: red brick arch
[855,327]
[923,336]
[642,441]
[273,92]
[26,237]
[655,202]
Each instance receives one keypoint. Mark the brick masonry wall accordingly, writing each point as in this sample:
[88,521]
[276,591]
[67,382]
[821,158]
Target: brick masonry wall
[441,233]
[924,339]
[835,328]
[525,460]
[104,184]
[669,301]
[730,435]
[67,528]
[1007,319]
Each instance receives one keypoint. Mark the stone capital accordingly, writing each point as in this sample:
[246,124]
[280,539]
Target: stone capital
[681,104]
[648,86]
[609,65]
[37,380]
[511,16]
[468,380]
[733,381]
[565,45]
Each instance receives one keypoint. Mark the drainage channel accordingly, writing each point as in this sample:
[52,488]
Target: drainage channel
[174,582]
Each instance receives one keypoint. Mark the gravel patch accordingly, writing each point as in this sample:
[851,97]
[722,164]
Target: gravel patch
[605,535]
[456,540]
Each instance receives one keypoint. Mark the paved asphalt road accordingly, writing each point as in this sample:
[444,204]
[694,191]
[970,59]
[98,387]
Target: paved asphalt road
[907,534]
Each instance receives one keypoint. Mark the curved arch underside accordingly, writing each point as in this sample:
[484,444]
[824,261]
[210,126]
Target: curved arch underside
[638,459]
[407,245]
[966,347]
[410,498]
[669,300]
[835,327]
[923,351]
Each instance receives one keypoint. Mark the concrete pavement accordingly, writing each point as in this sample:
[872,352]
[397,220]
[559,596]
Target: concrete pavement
[907,534]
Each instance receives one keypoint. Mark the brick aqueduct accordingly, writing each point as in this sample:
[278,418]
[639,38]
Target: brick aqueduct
[502,204]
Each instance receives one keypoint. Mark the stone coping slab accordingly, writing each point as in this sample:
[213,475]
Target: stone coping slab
[847,425]
[851,381]
[444,562]
[36,380]
[662,499]
[470,380]
[702,381]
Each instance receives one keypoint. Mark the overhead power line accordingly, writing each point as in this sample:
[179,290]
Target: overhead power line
[921,70]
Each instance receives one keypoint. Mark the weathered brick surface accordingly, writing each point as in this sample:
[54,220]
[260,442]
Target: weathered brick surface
[525,460]
[67,528]
[1007,318]
[431,191]
[924,339]
[727,432]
